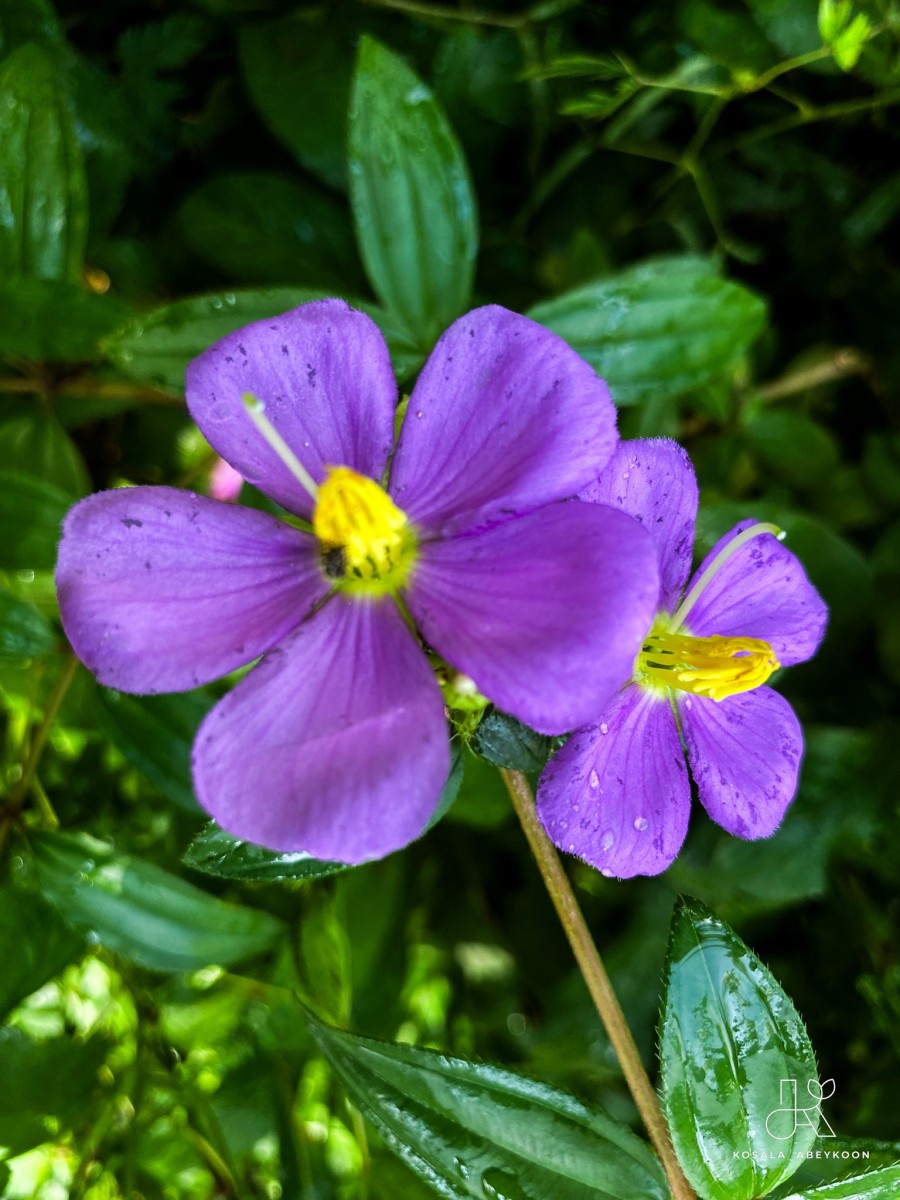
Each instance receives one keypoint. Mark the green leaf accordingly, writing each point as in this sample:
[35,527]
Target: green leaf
[657,329]
[31,513]
[729,1039]
[43,195]
[155,735]
[298,74]
[43,1080]
[24,632]
[411,195]
[50,320]
[143,912]
[794,447]
[35,436]
[506,742]
[262,228]
[36,942]
[474,1130]
[157,347]
[874,1185]
[216,852]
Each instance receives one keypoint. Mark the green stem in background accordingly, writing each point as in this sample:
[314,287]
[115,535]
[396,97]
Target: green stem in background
[592,969]
[13,805]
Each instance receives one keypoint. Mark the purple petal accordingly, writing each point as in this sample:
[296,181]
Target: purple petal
[653,481]
[323,375]
[161,590]
[762,592]
[745,756]
[505,417]
[617,794]
[335,744]
[545,612]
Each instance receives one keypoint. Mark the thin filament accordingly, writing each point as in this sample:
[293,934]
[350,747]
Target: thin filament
[716,565]
[256,411]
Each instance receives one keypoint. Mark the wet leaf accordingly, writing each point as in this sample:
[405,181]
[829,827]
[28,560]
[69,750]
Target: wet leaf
[736,1063]
[874,1185]
[36,942]
[474,1130]
[24,632]
[31,514]
[142,911]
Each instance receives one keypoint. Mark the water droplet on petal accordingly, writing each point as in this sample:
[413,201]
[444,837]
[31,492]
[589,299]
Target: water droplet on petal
[608,841]
[594,779]
[641,823]
[604,728]
[605,871]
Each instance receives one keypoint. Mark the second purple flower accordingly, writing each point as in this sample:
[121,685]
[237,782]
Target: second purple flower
[336,742]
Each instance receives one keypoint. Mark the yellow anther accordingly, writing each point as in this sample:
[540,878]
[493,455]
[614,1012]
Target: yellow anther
[715,667]
[367,542]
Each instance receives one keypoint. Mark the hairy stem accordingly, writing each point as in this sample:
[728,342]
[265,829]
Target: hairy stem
[592,969]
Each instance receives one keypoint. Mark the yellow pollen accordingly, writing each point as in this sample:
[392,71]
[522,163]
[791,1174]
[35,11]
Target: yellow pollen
[368,545]
[715,667]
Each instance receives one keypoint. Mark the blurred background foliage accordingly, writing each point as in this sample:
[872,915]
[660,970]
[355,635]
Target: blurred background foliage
[702,197]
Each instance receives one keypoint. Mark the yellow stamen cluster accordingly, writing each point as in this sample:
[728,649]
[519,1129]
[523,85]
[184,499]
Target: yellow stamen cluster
[715,667]
[368,544]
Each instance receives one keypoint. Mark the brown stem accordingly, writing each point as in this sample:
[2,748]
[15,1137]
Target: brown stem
[597,980]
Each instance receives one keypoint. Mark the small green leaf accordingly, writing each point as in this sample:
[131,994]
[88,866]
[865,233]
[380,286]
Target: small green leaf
[506,742]
[411,195]
[24,632]
[262,228]
[474,1130]
[657,329]
[155,735]
[143,912]
[43,194]
[848,45]
[215,852]
[50,320]
[874,1185]
[794,447]
[35,436]
[36,942]
[156,348]
[31,513]
[732,1047]
[298,74]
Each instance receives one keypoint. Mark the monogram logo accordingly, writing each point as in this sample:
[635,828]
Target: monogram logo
[782,1123]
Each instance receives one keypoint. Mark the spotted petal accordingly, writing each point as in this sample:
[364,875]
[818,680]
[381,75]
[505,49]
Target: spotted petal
[545,612]
[745,755]
[335,744]
[762,592]
[505,417]
[161,590]
[324,377]
[652,480]
[617,794]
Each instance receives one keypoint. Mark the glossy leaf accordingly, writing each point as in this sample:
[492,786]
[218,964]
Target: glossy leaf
[474,1130]
[31,513]
[506,742]
[883,1184]
[215,852]
[24,632]
[732,1051]
[155,734]
[143,912]
[262,228]
[36,943]
[411,196]
[657,329]
[43,194]
[298,74]
[156,348]
[51,320]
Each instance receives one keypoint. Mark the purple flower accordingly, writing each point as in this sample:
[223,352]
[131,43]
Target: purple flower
[336,742]
[617,794]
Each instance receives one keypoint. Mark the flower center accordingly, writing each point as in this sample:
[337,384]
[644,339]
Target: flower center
[715,667]
[368,545]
